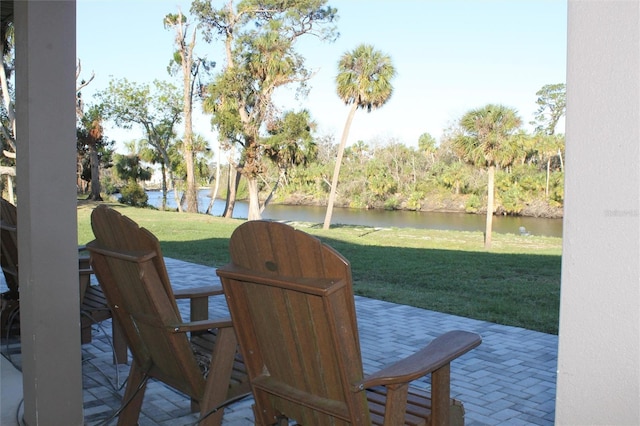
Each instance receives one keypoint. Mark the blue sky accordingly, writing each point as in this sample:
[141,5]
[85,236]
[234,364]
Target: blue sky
[450,56]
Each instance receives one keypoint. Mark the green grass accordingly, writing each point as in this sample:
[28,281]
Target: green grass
[516,283]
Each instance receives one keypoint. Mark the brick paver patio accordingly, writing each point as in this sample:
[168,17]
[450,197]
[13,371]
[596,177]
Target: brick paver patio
[509,380]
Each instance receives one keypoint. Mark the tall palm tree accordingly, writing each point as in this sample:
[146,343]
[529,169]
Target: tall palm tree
[486,141]
[91,135]
[363,81]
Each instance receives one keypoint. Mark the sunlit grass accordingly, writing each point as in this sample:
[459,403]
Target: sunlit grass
[516,283]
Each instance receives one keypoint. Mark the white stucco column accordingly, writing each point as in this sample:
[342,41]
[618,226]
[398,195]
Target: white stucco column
[599,349]
[45,33]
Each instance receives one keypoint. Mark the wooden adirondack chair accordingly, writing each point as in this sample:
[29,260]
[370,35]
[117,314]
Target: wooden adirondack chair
[129,265]
[93,307]
[291,301]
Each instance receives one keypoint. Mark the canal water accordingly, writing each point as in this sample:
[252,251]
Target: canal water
[379,218]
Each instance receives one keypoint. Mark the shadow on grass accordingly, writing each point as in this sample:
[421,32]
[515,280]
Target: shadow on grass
[512,289]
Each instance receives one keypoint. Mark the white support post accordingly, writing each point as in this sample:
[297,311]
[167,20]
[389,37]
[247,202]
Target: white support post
[45,34]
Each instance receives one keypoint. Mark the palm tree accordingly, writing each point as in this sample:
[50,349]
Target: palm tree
[363,81]
[290,144]
[91,135]
[552,102]
[486,141]
[548,146]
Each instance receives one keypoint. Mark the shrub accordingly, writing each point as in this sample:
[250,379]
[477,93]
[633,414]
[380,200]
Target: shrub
[133,194]
[511,200]
[414,201]
[392,203]
[108,185]
[473,204]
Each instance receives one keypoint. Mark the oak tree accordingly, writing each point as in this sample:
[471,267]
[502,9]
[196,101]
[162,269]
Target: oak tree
[259,40]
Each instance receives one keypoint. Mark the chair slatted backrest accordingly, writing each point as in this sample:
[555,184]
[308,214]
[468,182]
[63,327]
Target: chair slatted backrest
[9,246]
[291,300]
[130,268]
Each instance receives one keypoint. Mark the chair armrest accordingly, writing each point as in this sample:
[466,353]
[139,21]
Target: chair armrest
[201,325]
[438,353]
[192,293]
[199,300]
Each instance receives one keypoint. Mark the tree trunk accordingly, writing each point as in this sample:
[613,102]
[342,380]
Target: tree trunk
[250,168]
[490,191]
[176,197]
[273,190]
[254,201]
[79,173]
[95,173]
[212,199]
[546,189]
[232,188]
[214,193]
[12,197]
[192,189]
[188,79]
[163,172]
[336,170]
[561,162]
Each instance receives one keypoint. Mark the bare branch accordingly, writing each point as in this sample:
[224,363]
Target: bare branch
[6,170]
[86,83]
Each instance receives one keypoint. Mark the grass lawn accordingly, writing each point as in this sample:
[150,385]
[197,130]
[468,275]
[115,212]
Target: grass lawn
[516,283]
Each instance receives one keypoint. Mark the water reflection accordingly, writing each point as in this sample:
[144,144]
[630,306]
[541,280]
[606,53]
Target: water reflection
[380,218]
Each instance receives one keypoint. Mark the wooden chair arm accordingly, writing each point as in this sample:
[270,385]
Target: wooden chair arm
[85,271]
[196,292]
[198,300]
[202,325]
[437,354]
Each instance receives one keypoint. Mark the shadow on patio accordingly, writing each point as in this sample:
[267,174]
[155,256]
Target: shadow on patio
[509,379]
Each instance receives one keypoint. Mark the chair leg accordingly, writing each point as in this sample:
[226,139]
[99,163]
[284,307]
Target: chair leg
[120,355]
[133,396]
[219,376]
[85,333]
[258,416]
[8,316]
[440,396]
[396,404]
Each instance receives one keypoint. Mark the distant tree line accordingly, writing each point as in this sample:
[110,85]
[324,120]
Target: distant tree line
[445,175]
[449,175]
